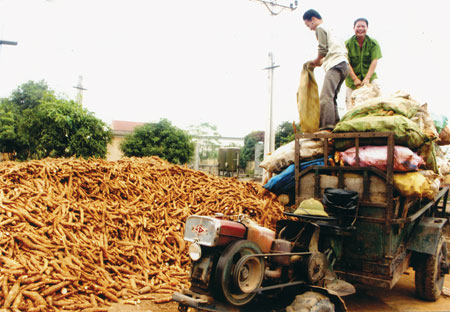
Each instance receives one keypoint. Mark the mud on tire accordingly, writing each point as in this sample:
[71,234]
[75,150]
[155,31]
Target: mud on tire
[429,278]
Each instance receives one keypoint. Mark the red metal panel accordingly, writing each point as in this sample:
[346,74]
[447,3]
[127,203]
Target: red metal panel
[232,228]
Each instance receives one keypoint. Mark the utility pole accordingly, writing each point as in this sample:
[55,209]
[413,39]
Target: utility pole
[269,134]
[80,90]
[8,42]
[4,42]
[274,8]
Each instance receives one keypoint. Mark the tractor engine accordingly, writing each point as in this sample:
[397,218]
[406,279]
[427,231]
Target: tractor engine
[233,260]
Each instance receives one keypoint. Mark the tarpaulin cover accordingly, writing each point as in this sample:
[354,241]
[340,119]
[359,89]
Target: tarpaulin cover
[308,101]
[284,183]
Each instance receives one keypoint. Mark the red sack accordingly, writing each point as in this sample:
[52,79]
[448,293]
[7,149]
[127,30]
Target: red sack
[376,156]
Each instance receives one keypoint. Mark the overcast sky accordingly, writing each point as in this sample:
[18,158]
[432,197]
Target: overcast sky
[202,60]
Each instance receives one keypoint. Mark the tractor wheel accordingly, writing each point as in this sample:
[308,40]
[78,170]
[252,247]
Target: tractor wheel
[238,277]
[419,277]
[311,302]
[429,277]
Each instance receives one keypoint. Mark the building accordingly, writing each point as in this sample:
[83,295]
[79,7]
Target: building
[120,129]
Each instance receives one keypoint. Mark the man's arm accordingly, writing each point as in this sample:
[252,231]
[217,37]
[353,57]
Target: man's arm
[352,75]
[372,67]
[318,60]
[323,46]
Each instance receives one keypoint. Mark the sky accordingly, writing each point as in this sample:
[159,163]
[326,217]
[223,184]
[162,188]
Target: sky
[203,60]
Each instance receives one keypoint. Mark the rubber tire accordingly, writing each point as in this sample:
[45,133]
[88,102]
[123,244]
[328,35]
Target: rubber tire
[419,277]
[311,301]
[428,284]
[224,271]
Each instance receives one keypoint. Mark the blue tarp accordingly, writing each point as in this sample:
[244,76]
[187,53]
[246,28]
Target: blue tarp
[284,183]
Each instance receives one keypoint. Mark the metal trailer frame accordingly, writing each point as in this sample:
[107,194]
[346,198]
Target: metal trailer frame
[377,253]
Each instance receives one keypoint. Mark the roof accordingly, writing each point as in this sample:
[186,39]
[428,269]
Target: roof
[125,126]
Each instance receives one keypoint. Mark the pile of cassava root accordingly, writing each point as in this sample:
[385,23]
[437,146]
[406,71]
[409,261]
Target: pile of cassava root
[77,235]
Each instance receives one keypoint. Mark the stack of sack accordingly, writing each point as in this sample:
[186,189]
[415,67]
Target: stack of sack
[281,166]
[417,133]
[420,165]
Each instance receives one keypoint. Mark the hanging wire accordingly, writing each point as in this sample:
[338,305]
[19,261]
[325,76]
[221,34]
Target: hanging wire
[276,8]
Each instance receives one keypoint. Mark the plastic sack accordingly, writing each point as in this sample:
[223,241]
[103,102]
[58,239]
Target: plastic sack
[434,180]
[382,106]
[406,132]
[444,136]
[425,122]
[376,156]
[413,184]
[360,95]
[280,158]
[440,121]
[428,152]
[308,101]
[443,165]
[283,156]
[339,201]
[446,180]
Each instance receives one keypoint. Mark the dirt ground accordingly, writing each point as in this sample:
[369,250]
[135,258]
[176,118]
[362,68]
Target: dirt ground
[400,299]
[146,306]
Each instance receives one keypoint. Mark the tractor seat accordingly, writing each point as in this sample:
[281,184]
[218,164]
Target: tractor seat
[333,224]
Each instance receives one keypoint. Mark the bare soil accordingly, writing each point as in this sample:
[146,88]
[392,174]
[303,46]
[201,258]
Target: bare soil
[367,299]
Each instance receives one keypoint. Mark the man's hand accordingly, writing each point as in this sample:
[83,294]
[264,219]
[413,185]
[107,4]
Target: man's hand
[357,82]
[366,81]
[316,62]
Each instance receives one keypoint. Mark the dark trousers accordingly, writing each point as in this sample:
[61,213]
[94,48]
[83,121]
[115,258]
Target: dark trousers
[332,83]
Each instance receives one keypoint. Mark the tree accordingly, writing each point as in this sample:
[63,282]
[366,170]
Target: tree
[285,133]
[37,124]
[248,151]
[30,94]
[9,141]
[159,139]
[62,128]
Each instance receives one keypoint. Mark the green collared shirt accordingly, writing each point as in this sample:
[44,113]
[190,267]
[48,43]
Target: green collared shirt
[360,59]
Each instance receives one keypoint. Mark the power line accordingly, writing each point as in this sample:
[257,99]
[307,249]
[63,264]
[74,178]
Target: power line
[276,8]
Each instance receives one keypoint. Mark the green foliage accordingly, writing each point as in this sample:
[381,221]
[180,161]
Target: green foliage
[159,139]
[9,141]
[30,94]
[62,128]
[248,151]
[36,124]
[285,133]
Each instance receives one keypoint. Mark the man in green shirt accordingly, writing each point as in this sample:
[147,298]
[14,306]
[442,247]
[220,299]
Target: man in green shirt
[363,54]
